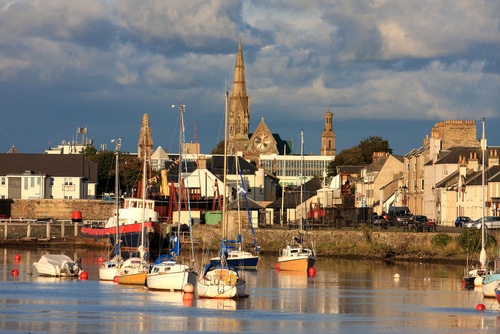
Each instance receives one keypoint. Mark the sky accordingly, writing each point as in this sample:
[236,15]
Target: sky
[391,69]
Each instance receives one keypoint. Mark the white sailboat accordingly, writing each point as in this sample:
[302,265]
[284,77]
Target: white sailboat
[491,280]
[168,272]
[221,280]
[296,256]
[109,269]
[237,256]
[134,270]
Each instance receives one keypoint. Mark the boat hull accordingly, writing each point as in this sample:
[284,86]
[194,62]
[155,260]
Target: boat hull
[109,270]
[299,263]
[170,277]
[133,279]
[221,283]
[133,272]
[130,235]
[490,282]
[239,259]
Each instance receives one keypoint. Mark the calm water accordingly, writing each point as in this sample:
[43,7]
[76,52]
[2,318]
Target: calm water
[344,296]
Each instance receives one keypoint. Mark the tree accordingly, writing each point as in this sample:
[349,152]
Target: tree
[219,149]
[130,170]
[360,155]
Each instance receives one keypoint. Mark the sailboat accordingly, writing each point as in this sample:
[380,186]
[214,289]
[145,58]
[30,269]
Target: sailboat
[168,272]
[236,255]
[475,276]
[296,256]
[109,269]
[134,270]
[491,279]
[221,280]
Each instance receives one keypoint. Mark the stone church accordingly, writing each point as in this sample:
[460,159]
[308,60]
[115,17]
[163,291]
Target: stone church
[262,141]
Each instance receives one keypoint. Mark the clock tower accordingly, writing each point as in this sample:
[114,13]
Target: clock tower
[328,136]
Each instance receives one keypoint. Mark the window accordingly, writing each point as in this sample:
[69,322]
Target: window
[408,166]
[3,181]
[26,180]
[422,184]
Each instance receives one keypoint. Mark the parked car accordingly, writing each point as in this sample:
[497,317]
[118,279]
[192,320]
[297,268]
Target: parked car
[490,222]
[418,223]
[472,223]
[380,221]
[461,221]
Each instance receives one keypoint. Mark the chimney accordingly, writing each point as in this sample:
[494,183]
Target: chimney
[492,158]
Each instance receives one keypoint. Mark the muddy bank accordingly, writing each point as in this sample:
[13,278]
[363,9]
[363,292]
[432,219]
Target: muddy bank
[359,244]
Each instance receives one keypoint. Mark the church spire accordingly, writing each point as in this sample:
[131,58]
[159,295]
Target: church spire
[239,104]
[145,144]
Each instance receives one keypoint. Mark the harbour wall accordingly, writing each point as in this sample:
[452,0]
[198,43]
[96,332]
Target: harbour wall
[56,209]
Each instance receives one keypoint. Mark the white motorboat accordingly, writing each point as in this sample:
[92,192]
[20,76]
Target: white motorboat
[58,265]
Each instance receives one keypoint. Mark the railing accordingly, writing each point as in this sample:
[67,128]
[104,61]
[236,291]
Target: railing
[29,229]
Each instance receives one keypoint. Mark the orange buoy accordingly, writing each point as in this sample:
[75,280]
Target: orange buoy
[76,216]
[17,257]
[311,271]
[480,307]
[187,299]
[84,275]
[100,260]
[115,279]
[14,272]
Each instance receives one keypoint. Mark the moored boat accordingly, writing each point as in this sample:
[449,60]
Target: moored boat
[168,272]
[131,226]
[296,258]
[58,265]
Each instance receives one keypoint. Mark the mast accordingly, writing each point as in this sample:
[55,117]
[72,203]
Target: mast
[283,187]
[483,257]
[240,237]
[302,179]
[224,208]
[118,143]
[141,248]
[179,173]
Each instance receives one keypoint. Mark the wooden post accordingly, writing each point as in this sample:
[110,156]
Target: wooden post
[28,230]
[48,229]
[75,232]
[5,230]
[62,228]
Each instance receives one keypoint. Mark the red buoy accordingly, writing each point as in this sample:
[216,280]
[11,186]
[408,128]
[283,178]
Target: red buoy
[115,279]
[480,307]
[76,216]
[277,266]
[17,257]
[14,272]
[84,275]
[311,271]
[100,260]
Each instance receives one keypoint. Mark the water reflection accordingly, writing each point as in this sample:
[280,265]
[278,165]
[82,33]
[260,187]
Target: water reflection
[354,296]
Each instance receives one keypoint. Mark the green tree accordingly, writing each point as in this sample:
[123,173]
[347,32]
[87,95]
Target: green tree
[219,149]
[360,155]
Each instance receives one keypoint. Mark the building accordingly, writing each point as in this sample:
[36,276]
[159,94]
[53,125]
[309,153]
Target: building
[75,146]
[419,180]
[37,176]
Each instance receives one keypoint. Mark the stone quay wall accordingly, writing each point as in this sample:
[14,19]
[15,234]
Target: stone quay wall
[56,209]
